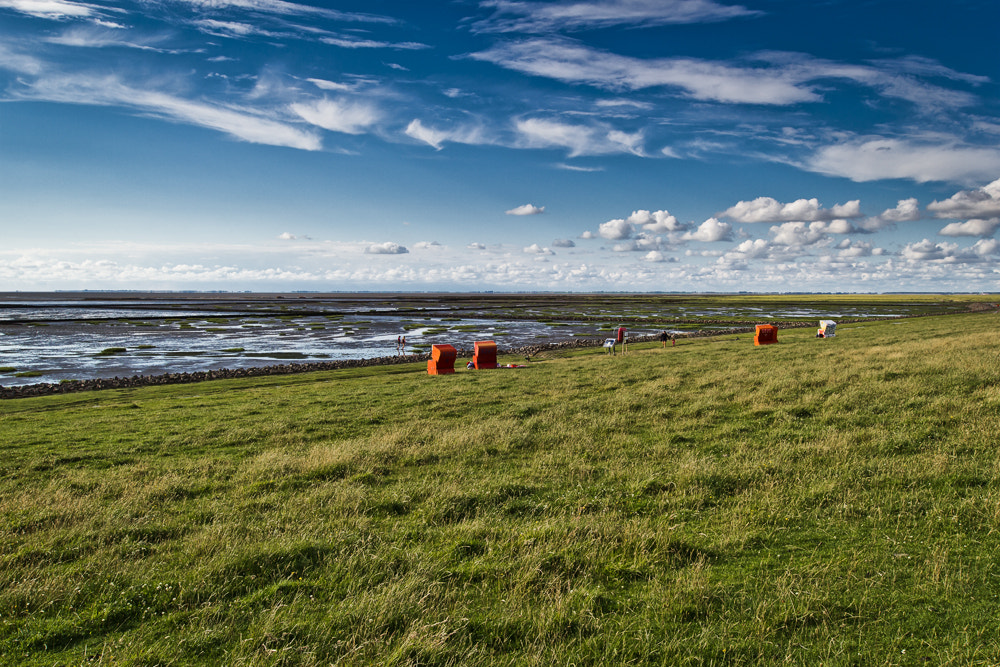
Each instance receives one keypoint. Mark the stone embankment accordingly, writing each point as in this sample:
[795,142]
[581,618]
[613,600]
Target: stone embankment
[527,351]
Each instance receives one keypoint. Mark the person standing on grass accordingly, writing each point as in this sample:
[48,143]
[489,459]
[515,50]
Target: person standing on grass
[663,339]
[673,341]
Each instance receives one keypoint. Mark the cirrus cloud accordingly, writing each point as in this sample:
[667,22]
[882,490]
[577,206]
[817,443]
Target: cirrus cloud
[338,115]
[876,158]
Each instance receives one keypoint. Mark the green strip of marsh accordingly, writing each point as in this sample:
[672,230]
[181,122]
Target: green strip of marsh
[817,501]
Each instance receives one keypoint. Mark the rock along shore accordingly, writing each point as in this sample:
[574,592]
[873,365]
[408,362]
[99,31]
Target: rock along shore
[44,389]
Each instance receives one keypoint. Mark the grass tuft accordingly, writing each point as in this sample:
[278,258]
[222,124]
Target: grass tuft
[816,501]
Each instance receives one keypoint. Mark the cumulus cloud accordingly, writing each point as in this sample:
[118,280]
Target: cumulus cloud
[387,248]
[563,243]
[526,209]
[906,210]
[476,246]
[751,248]
[338,115]
[767,209]
[798,233]
[427,245]
[641,222]
[710,231]
[656,222]
[642,244]
[985,247]
[853,249]
[587,235]
[871,159]
[535,249]
[617,229]
[980,203]
[973,227]
[925,250]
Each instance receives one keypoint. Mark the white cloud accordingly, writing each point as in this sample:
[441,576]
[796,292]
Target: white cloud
[287,8]
[871,159]
[323,84]
[573,62]
[973,227]
[656,222]
[476,246]
[428,245]
[563,243]
[640,222]
[433,137]
[985,247]
[19,62]
[535,249]
[798,233]
[854,249]
[102,37]
[840,227]
[907,210]
[767,209]
[231,28]
[387,248]
[355,43]
[526,209]
[512,16]
[982,203]
[641,244]
[246,124]
[615,230]
[338,115]
[50,9]
[587,235]
[751,248]
[576,167]
[925,250]
[655,256]
[577,139]
[710,231]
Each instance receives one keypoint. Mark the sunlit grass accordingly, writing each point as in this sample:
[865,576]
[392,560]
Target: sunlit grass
[817,501]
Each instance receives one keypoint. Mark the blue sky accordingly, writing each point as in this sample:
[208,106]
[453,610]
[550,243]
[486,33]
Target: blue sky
[573,145]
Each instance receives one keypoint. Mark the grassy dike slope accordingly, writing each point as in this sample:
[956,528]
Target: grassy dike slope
[817,501]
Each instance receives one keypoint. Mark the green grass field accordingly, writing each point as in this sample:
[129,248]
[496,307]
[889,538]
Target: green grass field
[813,502]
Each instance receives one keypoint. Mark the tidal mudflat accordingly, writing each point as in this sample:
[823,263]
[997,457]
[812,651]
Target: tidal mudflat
[54,337]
